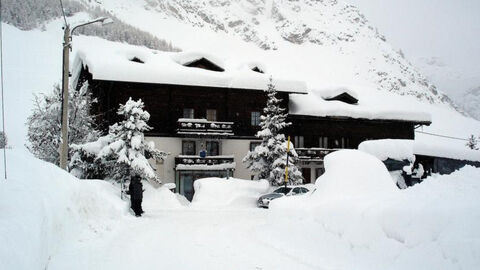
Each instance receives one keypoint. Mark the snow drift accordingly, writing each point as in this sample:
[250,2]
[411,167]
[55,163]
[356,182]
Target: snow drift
[432,225]
[351,174]
[232,192]
[42,206]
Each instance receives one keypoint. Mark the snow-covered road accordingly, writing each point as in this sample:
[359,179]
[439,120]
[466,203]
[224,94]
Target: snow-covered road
[185,239]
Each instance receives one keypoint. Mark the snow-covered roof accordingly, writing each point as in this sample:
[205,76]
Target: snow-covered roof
[389,148]
[405,149]
[332,92]
[112,61]
[432,148]
[372,104]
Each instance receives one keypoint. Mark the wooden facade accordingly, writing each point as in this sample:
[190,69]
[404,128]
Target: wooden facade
[166,102]
[353,131]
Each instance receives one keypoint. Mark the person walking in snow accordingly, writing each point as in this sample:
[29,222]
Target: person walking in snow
[136,195]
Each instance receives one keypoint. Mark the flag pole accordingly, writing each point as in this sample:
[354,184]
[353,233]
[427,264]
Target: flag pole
[286,167]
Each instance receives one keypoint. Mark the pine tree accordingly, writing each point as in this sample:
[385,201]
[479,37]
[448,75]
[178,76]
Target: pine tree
[472,142]
[121,153]
[270,157]
[45,122]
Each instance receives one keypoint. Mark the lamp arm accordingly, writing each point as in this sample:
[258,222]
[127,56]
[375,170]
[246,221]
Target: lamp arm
[87,23]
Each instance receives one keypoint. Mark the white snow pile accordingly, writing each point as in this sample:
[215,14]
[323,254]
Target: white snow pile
[233,193]
[372,104]
[161,198]
[112,61]
[364,217]
[42,207]
[389,148]
[351,174]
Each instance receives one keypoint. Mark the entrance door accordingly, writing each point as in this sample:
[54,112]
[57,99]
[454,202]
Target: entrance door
[307,179]
[188,186]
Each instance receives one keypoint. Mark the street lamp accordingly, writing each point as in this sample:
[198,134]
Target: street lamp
[67,46]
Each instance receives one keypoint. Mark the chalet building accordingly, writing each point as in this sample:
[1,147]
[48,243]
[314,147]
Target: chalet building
[206,112]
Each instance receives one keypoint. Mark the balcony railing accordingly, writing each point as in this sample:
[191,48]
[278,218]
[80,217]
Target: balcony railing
[202,127]
[190,162]
[313,154]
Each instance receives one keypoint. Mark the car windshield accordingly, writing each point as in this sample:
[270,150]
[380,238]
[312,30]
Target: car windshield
[283,190]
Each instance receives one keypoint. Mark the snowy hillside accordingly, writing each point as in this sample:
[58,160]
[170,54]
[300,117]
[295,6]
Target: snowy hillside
[459,83]
[470,102]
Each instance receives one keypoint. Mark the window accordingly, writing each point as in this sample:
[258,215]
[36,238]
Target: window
[298,141]
[336,143]
[323,142]
[188,113]
[211,115]
[284,190]
[212,148]
[255,118]
[253,145]
[304,190]
[188,148]
[296,191]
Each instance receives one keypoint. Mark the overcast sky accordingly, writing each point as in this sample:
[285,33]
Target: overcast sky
[448,29]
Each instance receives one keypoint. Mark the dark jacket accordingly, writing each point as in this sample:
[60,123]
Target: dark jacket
[136,190]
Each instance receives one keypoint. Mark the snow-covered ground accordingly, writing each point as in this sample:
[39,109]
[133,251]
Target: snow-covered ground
[50,220]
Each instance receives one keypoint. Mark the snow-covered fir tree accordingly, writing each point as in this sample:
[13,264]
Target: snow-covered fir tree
[121,153]
[472,142]
[44,124]
[270,157]
[3,140]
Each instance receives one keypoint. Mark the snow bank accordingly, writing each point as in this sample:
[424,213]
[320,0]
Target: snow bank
[389,148]
[161,198]
[432,225]
[352,174]
[232,192]
[43,206]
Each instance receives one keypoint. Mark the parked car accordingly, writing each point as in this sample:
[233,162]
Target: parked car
[265,200]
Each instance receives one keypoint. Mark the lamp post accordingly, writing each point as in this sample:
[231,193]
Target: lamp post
[67,46]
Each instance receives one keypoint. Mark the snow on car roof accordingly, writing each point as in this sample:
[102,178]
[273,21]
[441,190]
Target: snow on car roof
[113,61]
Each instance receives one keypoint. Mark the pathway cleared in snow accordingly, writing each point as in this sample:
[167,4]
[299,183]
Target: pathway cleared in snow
[183,239]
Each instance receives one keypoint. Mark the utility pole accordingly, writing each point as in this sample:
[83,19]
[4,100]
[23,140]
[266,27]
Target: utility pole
[65,78]
[67,46]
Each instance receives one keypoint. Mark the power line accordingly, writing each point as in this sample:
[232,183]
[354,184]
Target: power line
[443,136]
[3,99]
[63,12]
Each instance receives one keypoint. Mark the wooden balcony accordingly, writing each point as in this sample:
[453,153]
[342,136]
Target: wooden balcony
[204,128]
[313,154]
[190,162]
